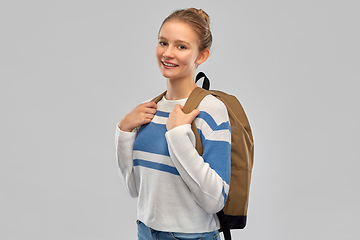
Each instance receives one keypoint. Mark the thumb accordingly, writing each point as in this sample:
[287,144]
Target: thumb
[193,114]
[177,107]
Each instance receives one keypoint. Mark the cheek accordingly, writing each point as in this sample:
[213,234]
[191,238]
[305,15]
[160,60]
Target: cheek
[158,53]
[187,59]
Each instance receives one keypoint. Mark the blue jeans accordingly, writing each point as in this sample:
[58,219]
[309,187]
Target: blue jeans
[146,233]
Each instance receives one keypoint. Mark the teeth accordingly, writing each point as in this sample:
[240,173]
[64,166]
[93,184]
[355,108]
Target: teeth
[169,65]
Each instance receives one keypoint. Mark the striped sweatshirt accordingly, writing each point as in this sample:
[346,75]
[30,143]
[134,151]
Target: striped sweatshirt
[178,190]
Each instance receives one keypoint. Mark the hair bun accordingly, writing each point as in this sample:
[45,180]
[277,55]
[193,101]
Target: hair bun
[202,14]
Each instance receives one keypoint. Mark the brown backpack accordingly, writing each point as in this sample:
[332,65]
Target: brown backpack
[234,213]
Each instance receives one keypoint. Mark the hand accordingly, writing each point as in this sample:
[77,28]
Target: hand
[177,117]
[140,115]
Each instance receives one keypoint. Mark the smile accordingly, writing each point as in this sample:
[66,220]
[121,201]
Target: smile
[169,64]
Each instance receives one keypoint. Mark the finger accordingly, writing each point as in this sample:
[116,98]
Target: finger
[193,114]
[177,107]
[149,116]
[151,104]
[150,110]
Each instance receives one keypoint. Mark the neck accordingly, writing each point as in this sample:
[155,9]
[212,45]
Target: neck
[179,88]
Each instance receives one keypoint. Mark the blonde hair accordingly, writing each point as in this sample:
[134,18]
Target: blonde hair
[199,20]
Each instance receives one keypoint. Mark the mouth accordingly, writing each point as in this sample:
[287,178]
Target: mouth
[167,64]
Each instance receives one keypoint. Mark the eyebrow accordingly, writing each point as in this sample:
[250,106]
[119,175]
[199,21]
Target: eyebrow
[177,41]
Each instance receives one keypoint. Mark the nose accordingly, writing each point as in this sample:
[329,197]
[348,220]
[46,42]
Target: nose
[168,53]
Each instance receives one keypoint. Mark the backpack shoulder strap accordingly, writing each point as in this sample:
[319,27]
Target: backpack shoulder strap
[194,99]
[158,98]
[192,102]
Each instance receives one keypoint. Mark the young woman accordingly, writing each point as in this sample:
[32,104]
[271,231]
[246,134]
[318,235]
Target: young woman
[179,192]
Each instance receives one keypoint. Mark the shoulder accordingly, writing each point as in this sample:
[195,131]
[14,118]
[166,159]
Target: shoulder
[212,105]
[215,108]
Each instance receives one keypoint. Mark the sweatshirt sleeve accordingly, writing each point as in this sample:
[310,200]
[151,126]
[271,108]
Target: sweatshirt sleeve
[207,176]
[124,142]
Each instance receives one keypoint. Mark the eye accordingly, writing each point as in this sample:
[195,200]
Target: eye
[162,43]
[181,47]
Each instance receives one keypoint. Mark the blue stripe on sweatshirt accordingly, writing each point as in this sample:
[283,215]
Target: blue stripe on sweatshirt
[162,114]
[212,124]
[151,139]
[219,156]
[224,194]
[203,115]
[156,166]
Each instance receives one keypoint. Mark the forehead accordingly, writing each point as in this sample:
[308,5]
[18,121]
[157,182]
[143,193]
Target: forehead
[178,31]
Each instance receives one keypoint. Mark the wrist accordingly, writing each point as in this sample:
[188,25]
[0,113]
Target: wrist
[123,127]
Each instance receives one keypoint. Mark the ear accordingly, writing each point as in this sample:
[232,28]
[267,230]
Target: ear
[203,56]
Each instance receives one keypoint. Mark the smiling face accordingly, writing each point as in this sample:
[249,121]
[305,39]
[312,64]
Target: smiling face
[177,52]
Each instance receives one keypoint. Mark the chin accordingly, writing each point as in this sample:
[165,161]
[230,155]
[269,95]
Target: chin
[169,75]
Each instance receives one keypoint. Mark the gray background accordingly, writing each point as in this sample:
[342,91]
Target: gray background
[70,70]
